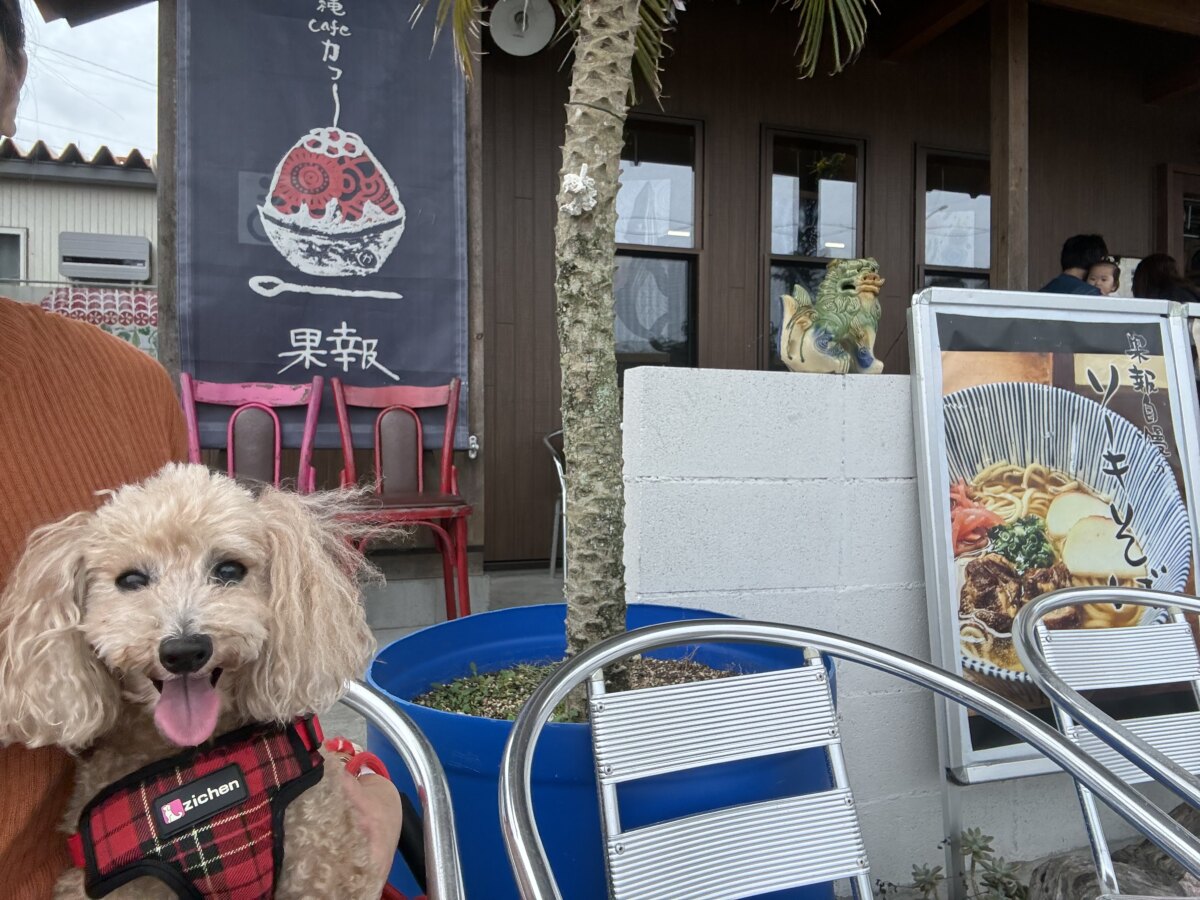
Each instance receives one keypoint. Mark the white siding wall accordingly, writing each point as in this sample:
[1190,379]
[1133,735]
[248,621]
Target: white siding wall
[793,498]
[46,208]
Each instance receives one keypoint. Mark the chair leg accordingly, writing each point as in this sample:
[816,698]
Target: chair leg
[445,544]
[464,581]
[554,536]
[564,539]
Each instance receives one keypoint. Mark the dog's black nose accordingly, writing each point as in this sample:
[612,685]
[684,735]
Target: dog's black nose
[183,655]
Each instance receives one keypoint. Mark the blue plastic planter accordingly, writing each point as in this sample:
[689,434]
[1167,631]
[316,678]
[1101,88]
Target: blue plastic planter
[564,783]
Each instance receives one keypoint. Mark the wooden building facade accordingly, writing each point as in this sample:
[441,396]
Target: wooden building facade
[967,142]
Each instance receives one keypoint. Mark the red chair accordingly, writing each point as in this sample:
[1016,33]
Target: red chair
[400,472]
[254,437]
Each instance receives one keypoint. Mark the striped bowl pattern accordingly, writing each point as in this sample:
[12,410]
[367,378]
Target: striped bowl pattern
[1029,424]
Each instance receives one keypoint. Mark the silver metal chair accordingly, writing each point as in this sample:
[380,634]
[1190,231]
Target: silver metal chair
[746,850]
[1062,662]
[443,872]
[553,442]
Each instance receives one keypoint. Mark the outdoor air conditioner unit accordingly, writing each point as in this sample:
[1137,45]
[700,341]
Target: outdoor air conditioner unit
[103,257]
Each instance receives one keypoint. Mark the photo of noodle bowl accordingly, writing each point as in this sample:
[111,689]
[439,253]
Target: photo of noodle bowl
[1034,507]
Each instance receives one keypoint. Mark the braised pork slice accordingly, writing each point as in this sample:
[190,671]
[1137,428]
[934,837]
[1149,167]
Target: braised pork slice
[992,592]
[1036,582]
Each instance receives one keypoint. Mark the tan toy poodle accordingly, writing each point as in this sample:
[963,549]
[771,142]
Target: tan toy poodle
[185,609]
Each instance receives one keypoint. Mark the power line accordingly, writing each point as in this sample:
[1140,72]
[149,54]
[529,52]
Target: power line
[73,86]
[141,81]
[74,130]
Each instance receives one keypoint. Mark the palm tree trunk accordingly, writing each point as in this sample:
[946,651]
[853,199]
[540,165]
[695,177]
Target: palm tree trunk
[585,248]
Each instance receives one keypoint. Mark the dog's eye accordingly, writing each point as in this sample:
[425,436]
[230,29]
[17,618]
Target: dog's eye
[229,571]
[133,580]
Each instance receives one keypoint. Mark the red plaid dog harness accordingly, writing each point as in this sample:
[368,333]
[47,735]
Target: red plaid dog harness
[207,822]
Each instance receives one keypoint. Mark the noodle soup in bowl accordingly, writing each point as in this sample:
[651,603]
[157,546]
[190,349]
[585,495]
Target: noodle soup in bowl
[1037,505]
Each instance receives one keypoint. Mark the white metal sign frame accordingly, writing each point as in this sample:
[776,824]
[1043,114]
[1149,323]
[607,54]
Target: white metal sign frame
[966,763]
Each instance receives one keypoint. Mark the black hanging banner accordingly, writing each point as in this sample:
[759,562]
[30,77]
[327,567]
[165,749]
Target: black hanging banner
[321,199]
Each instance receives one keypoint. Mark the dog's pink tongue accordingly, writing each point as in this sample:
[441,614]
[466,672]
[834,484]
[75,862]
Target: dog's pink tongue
[187,710]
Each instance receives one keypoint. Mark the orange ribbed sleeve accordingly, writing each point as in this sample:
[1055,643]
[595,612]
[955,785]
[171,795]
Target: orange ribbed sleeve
[80,411]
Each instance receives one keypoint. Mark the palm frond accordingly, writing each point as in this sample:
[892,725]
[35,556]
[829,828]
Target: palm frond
[844,20]
[655,19]
[847,28]
[463,16]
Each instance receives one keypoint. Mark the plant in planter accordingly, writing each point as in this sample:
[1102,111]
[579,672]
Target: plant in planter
[470,747]
[612,38]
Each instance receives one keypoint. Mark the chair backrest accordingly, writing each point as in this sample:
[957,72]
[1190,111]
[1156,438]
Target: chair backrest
[1091,659]
[657,731]
[554,443]
[737,833]
[398,435]
[443,870]
[254,436]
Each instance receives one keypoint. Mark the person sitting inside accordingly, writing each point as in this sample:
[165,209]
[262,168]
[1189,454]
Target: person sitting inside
[1105,276]
[1079,254]
[1157,278]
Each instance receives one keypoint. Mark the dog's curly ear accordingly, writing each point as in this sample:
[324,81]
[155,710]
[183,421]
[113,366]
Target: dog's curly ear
[53,689]
[318,637]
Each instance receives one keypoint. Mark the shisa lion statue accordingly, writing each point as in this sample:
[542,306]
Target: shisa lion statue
[837,331]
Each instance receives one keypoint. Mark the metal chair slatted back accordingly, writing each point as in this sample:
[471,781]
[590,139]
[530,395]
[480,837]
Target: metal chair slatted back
[1096,658]
[1177,735]
[745,851]
[1090,659]
[785,843]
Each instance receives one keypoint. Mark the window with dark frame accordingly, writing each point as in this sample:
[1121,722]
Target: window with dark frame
[12,254]
[658,242]
[953,229]
[813,213]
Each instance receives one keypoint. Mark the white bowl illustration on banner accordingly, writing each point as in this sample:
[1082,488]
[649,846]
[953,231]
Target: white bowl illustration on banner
[1032,501]
[332,208]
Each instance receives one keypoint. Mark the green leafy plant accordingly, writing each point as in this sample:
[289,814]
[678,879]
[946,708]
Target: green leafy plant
[987,876]
[976,847]
[1001,881]
[928,881]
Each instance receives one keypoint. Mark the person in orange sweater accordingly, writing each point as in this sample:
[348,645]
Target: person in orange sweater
[80,412]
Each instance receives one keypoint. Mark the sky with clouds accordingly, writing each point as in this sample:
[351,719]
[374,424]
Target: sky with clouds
[93,84]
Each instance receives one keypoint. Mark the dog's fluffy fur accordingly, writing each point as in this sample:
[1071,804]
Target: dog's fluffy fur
[79,657]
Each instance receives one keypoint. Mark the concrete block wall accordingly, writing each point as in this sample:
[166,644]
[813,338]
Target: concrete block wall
[793,498]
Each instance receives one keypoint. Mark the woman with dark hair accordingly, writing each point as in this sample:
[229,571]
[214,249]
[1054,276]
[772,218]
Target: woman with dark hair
[82,412]
[1157,278]
[13,64]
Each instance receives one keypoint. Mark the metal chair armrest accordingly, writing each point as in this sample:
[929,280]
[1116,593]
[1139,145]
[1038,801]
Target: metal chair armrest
[441,843]
[530,865]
